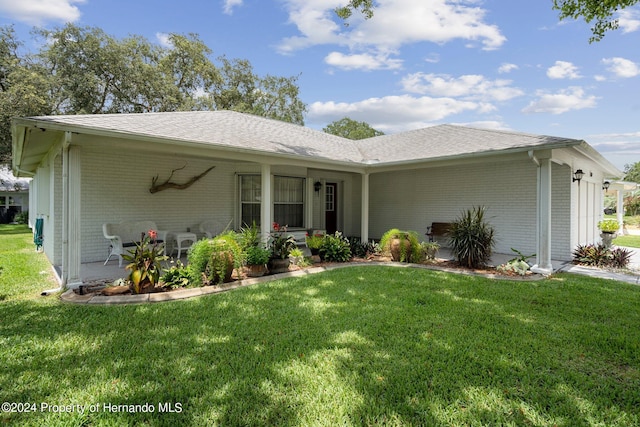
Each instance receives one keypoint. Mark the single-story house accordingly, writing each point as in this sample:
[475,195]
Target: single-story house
[14,195]
[92,169]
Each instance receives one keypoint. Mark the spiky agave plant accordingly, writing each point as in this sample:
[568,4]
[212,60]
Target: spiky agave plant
[472,238]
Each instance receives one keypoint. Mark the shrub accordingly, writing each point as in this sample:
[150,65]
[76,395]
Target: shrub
[257,255]
[514,266]
[249,236]
[429,250]
[226,256]
[335,248]
[177,276]
[198,257]
[601,256]
[314,242]
[472,238]
[211,261]
[594,255]
[363,249]
[620,257]
[21,217]
[632,204]
[409,250]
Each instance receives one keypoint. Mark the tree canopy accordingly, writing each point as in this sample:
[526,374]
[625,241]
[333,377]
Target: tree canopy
[83,70]
[351,129]
[599,11]
[632,172]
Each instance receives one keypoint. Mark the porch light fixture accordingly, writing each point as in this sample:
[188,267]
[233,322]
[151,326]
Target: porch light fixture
[577,176]
[605,185]
[317,186]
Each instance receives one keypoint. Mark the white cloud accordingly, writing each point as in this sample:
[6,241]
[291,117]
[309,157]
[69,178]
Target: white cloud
[163,39]
[229,5]
[622,67]
[395,23]
[563,70]
[393,113]
[507,68]
[469,87]
[629,20]
[364,61]
[573,98]
[37,12]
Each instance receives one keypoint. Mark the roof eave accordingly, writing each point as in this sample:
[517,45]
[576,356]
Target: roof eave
[267,156]
[470,156]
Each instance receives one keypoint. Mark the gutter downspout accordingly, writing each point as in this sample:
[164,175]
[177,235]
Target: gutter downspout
[65,209]
[543,214]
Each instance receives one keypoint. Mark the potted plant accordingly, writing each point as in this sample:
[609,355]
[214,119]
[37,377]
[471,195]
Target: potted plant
[403,246]
[281,245]
[429,250]
[256,260]
[212,261]
[296,256]
[608,228]
[314,243]
[144,263]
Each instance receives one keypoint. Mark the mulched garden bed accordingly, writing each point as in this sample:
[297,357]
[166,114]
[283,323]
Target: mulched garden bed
[101,287]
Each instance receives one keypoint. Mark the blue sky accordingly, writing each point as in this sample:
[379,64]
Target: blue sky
[499,64]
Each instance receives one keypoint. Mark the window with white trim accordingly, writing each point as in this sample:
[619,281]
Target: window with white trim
[288,200]
[250,194]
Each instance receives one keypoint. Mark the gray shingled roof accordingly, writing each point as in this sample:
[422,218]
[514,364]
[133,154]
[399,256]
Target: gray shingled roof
[253,133]
[223,128]
[446,141]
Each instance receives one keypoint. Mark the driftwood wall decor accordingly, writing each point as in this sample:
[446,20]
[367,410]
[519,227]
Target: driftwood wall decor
[168,184]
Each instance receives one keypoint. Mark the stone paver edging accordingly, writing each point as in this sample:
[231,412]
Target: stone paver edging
[72,297]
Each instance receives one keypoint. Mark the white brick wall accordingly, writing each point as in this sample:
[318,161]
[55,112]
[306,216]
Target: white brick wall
[414,199]
[115,187]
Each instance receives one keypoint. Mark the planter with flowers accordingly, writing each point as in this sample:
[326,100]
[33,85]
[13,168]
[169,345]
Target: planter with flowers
[280,243]
[608,228]
[144,263]
[314,243]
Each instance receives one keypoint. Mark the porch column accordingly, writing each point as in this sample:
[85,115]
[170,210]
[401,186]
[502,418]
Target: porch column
[364,210]
[265,202]
[71,215]
[543,256]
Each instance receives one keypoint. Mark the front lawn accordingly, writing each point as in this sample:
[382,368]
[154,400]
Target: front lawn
[630,240]
[357,346]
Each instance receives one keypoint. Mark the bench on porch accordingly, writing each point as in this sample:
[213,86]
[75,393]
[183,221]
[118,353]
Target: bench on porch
[437,229]
[123,236]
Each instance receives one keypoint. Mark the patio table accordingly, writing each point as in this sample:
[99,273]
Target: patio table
[180,241]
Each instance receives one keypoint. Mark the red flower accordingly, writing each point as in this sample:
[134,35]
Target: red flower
[276,226]
[153,234]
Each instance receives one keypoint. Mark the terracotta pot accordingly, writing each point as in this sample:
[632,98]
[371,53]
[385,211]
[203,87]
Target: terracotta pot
[256,270]
[396,249]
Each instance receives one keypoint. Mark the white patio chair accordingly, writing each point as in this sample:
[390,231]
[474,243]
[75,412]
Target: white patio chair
[214,227]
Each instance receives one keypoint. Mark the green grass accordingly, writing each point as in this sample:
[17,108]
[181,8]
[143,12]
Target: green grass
[631,241]
[357,346]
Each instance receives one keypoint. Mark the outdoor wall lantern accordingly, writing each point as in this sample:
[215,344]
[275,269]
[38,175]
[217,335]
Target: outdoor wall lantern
[577,176]
[605,185]
[317,186]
